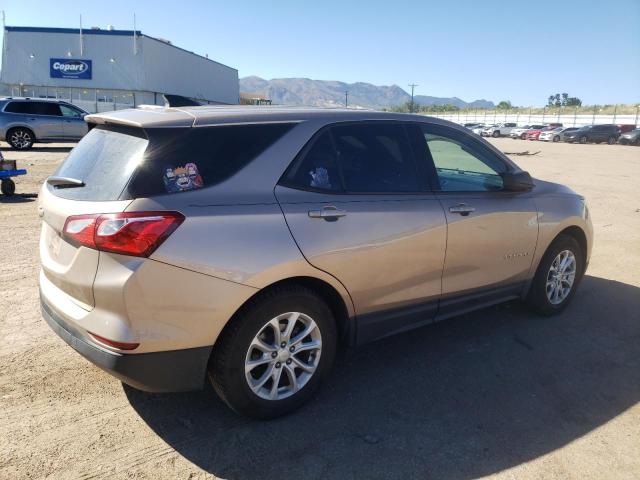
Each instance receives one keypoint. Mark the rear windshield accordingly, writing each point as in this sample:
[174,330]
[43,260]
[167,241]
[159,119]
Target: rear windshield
[121,164]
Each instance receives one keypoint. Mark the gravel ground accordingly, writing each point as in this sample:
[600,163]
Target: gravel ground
[498,393]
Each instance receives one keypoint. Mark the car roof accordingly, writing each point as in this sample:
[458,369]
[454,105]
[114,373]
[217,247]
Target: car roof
[32,99]
[229,114]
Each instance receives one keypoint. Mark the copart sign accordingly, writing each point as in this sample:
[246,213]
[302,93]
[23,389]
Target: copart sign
[69,68]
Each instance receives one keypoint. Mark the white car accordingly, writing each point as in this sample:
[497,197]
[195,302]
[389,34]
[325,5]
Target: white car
[499,130]
[551,135]
[479,128]
[521,132]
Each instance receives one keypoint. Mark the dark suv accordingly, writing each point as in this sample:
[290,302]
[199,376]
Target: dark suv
[595,134]
[24,121]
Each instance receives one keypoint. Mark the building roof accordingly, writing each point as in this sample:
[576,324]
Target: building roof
[230,114]
[94,31]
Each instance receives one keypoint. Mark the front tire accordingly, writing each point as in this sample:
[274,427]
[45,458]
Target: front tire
[583,140]
[274,354]
[20,138]
[611,140]
[556,139]
[557,277]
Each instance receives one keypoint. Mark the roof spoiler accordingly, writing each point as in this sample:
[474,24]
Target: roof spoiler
[179,101]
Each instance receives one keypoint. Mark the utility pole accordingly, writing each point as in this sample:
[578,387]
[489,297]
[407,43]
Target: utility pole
[412,85]
[346,99]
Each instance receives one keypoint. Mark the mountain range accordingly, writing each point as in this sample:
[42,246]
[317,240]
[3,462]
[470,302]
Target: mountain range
[327,93]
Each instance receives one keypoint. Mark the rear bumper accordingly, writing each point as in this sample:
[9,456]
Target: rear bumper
[170,371]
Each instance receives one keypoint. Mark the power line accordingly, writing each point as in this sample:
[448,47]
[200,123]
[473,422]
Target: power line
[412,85]
[346,99]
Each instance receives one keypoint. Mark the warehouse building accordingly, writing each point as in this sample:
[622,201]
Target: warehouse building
[108,69]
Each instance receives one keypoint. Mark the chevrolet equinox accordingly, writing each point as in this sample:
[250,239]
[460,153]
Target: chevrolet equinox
[250,244]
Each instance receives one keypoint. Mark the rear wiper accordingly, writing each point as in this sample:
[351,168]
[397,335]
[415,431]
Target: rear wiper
[64,182]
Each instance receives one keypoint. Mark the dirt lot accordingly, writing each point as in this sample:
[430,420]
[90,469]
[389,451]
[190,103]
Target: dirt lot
[499,392]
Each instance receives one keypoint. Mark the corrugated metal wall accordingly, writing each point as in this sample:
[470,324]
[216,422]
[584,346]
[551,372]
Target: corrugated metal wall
[157,66]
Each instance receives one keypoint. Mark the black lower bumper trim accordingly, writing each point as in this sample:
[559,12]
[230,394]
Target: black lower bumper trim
[171,371]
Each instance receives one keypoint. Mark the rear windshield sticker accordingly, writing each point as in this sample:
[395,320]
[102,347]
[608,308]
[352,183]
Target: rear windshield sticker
[320,178]
[181,179]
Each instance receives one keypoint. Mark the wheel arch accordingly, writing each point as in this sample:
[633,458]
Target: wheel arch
[345,323]
[25,127]
[579,236]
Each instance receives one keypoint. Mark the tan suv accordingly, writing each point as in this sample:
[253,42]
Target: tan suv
[250,243]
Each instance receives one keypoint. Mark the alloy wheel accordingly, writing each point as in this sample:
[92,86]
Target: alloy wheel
[561,277]
[20,139]
[283,356]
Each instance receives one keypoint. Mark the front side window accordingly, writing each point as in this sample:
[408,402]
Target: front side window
[68,111]
[462,165]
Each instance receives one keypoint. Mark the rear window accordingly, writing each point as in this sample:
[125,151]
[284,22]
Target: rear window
[120,164]
[104,160]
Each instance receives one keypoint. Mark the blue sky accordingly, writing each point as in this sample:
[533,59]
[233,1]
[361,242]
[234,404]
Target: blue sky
[514,50]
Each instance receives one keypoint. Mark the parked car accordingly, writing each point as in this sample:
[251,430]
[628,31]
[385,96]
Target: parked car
[552,135]
[499,130]
[25,121]
[251,247]
[521,132]
[594,133]
[630,138]
[534,133]
[478,128]
[566,132]
[625,128]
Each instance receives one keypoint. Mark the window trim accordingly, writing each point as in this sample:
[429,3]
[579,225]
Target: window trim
[476,145]
[300,156]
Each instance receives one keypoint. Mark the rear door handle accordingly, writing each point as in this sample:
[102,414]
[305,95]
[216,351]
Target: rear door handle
[328,213]
[462,209]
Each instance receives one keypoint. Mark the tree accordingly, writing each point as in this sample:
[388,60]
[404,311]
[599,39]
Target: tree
[563,100]
[504,105]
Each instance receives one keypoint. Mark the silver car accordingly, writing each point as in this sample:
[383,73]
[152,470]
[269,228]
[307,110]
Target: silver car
[250,244]
[25,121]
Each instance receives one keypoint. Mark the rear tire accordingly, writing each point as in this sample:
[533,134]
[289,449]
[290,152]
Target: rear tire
[8,187]
[556,139]
[553,287]
[523,136]
[495,134]
[249,357]
[20,138]
[611,140]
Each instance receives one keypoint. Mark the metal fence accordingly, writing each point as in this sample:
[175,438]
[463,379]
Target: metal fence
[566,117]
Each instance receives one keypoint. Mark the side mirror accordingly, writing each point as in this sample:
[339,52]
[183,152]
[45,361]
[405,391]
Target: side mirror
[519,181]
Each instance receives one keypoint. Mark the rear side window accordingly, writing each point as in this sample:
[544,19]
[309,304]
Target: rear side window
[207,155]
[126,163]
[46,108]
[18,107]
[357,158]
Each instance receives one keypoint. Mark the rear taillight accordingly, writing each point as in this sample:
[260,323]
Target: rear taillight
[129,233]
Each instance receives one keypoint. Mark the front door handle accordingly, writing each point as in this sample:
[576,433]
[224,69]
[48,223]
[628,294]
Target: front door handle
[462,209]
[328,213]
